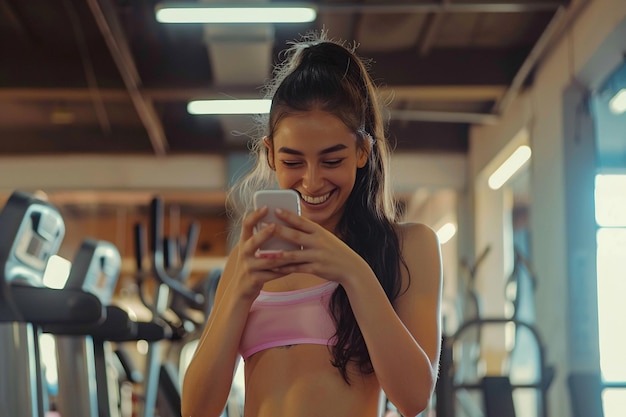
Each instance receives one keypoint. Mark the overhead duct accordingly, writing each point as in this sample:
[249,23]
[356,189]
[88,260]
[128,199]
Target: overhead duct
[240,55]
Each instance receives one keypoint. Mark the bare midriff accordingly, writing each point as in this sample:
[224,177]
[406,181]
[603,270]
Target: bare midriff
[300,381]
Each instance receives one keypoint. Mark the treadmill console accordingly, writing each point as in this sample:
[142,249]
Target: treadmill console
[96,269]
[32,231]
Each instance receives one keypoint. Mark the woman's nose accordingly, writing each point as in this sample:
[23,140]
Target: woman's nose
[312,180]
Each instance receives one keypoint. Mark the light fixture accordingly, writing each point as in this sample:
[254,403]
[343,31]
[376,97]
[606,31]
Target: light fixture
[256,106]
[446,232]
[617,104]
[509,167]
[235,13]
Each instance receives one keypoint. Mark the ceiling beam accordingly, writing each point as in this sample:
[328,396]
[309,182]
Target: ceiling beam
[73,139]
[79,31]
[554,28]
[397,92]
[411,135]
[456,93]
[510,6]
[15,20]
[392,95]
[444,116]
[432,27]
[481,66]
[110,28]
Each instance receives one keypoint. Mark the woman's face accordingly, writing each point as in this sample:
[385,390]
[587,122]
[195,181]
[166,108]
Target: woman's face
[316,154]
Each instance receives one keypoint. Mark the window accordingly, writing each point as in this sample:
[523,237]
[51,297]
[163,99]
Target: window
[610,200]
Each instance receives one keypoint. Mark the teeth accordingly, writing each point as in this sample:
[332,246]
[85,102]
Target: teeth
[315,200]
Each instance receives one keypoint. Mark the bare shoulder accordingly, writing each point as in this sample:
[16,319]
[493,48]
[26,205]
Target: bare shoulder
[417,240]
[421,253]
[410,233]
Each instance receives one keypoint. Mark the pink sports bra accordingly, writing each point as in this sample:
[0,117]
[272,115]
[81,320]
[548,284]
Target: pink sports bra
[289,318]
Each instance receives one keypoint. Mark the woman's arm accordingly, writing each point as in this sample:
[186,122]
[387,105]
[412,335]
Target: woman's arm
[209,376]
[404,343]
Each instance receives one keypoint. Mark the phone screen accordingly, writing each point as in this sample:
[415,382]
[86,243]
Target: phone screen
[288,200]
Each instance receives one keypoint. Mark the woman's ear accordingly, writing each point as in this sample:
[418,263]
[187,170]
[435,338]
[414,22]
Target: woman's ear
[363,153]
[269,149]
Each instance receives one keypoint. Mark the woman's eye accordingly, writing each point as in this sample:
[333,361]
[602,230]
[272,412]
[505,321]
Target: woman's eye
[333,162]
[291,164]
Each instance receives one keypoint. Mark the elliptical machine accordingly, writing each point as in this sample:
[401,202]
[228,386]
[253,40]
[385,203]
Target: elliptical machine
[170,261]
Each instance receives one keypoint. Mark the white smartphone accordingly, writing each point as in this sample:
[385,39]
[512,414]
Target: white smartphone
[288,200]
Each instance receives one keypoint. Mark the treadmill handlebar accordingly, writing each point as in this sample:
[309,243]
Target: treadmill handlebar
[42,305]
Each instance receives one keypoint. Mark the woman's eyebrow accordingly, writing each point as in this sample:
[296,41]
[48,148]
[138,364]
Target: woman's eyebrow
[331,149]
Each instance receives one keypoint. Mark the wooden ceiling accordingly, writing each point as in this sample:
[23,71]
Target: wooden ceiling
[103,77]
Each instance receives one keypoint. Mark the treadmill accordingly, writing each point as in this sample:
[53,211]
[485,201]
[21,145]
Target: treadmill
[31,231]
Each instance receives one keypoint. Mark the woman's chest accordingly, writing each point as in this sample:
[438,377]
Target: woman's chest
[293,282]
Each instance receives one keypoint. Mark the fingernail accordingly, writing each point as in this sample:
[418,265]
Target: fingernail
[269,255]
[279,210]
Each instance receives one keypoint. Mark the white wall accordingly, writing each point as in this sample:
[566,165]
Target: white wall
[410,171]
[88,172]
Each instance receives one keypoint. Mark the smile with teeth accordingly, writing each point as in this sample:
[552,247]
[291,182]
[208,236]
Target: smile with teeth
[315,200]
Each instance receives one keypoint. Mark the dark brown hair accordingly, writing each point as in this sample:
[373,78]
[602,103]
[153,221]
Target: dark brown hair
[328,76]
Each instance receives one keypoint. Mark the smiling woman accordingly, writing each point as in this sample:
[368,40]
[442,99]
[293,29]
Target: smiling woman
[316,154]
[325,329]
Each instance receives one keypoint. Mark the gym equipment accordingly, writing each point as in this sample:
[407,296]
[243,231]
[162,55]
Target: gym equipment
[85,352]
[183,308]
[497,390]
[521,266]
[32,231]
[84,380]
[171,266]
[471,309]
[457,368]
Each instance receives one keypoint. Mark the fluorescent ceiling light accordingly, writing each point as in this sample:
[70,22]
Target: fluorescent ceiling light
[446,232]
[193,13]
[618,103]
[509,167]
[260,106]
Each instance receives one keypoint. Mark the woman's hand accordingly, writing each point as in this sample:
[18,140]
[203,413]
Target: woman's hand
[323,254]
[251,270]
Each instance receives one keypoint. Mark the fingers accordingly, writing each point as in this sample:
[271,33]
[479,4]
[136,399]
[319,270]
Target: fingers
[250,221]
[292,228]
[252,245]
[296,221]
